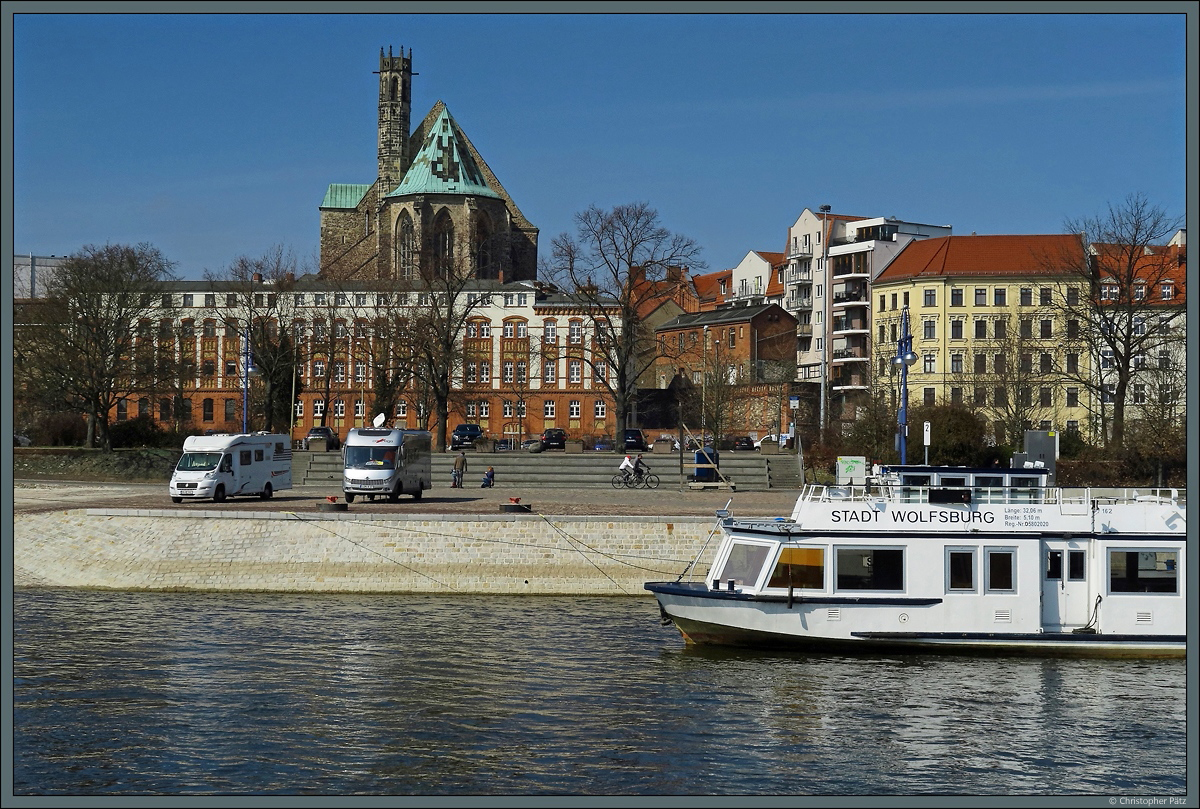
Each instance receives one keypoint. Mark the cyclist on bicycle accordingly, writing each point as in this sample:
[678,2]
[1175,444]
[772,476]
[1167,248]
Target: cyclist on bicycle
[626,468]
[640,469]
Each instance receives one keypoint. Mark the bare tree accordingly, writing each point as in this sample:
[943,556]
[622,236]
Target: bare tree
[1127,277]
[616,267]
[262,312]
[81,349]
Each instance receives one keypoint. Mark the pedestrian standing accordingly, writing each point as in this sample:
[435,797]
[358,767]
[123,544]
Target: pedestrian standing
[460,469]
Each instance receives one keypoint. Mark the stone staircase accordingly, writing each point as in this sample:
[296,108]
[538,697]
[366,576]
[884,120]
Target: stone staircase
[749,471]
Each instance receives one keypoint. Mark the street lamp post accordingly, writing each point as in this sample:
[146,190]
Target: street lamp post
[904,359]
[704,387]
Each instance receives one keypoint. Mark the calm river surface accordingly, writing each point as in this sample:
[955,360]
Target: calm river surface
[268,694]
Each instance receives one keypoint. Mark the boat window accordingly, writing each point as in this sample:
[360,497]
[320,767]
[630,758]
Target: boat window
[960,569]
[744,563]
[1077,565]
[1053,565]
[1001,569]
[800,568]
[870,569]
[1143,571]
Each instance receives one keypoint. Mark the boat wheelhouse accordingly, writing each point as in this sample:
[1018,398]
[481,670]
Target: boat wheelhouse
[947,559]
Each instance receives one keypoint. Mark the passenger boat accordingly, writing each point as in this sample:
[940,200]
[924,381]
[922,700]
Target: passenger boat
[947,559]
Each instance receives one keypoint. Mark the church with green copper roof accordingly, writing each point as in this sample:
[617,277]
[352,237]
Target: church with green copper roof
[435,209]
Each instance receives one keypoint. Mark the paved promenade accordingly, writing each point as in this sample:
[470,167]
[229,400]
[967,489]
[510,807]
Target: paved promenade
[33,496]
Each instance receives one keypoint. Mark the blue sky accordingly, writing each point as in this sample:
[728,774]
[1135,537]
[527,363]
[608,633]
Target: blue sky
[213,136]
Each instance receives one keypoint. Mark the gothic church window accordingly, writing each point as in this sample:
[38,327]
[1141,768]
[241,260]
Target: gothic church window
[405,254]
[443,245]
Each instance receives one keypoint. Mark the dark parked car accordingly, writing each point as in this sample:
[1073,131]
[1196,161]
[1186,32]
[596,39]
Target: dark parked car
[465,435]
[554,438]
[331,438]
[506,444]
[743,442]
[636,441]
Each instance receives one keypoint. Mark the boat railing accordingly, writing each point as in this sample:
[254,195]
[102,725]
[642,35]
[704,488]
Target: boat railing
[893,492]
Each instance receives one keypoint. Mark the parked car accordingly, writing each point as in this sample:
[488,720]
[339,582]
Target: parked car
[743,442]
[767,439]
[603,443]
[530,444]
[21,440]
[465,435]
[554,438]
[332,441]
[506,444]
[636,441]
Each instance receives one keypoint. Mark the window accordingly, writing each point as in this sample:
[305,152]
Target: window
[980,329]
[800,569]
[601,409]
[509,329]
[472,371]
[930,393]
[956,329]
[318,368]
[1109,292]
[485,371]
[358,408]
[522,372]
[522,329]
[1108,394]
[981,363]
[1026,296]
[339,409]
[1000,296]
[1045,397]
[521,409]
[1139,326]
[956,297]
[575,332]
[956,396]
[1046,329]
[1072,329]
[1072,363]
[123,410]
[401,409]
[339,372]
[507,409]
[1107,359]
[870,569]
[340,330]
[894,304]
[930,363]
[1045,297]
[300,409]
[1000,363]
[906,299]
[360,372]
[883,303]
[472,330]
[1000,397]
[600,370]
[1143,571]
[472,411]
[981,296]
[882,333]
[1139,292]
[956,363]
[1026,363]
[485,331]
[230,409]
[743,564]
[931,297]
[1001,564]
[1026,328]
[549,332]
[1168,291]
[575,371]
[508,371]
[208,367]
[548,371]
[548,409]
[1072,397]
[1139,393]
[1001,329]
[318,408]
[960,570]
[575,409]
[1046,363]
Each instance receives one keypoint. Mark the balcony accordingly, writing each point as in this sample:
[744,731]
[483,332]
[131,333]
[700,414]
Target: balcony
[799,251]
[845,324]
[798,303]
[849,354]
[799,274]
[844,298]
[804,330]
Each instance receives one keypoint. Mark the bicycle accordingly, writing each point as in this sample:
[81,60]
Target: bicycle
[639,480]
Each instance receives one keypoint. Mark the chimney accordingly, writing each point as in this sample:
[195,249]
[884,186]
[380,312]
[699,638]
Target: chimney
[256,278]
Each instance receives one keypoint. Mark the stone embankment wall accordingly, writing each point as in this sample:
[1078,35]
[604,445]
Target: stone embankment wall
[268,551]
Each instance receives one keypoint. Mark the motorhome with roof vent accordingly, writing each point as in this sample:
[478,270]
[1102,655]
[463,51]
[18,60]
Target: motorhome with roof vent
[380,462]
[221,466]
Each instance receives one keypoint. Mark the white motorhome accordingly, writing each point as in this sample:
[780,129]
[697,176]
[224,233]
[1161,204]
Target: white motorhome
[381,462]
[220,466]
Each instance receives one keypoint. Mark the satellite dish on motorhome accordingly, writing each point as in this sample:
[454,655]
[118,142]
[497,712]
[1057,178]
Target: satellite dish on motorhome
[378,422]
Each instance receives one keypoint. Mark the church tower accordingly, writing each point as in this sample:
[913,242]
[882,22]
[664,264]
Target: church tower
[395,111]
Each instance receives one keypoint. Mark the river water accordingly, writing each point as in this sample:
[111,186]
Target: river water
[283,694]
